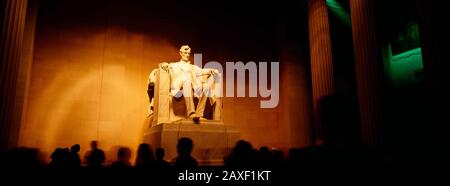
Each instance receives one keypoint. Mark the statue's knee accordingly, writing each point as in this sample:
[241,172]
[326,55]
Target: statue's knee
[207,91]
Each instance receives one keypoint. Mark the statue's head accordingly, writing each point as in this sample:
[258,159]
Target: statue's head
[185,52]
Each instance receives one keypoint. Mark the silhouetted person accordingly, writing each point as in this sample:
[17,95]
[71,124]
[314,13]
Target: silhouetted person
[60,162]
[145,155]
[242,156]
[122,167]
[75,161]
[163,168]
[265,157]
[184,159]
[95,157]
[123,157]
[160,153]
[145,161]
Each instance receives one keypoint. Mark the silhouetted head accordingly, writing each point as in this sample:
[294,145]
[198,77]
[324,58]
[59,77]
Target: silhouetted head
[160,153]
[144,154]
[94,144]
[124,154]
[264,150]
[242,155]
[75,148]
[60,156]
[243,147]
[57,154]
[184,146]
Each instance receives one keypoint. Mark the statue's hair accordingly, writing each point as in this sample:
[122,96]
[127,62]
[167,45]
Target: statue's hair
[184,48]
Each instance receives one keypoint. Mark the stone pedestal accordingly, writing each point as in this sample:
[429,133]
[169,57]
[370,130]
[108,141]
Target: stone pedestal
[212,139]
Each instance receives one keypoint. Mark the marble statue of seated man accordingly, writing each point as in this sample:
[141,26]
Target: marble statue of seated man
[189,81]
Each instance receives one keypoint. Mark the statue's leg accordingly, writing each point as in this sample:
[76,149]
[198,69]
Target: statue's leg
[190,107]
[188,98]
[201,106]
[202,102]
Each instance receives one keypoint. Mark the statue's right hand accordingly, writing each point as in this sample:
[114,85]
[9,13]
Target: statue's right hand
[164,66]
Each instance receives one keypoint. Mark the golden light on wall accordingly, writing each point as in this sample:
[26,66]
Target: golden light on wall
[90,88]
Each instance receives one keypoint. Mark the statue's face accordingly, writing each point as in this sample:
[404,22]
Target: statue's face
[185,54]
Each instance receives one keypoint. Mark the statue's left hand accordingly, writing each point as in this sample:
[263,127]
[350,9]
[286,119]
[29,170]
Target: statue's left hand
[214,72]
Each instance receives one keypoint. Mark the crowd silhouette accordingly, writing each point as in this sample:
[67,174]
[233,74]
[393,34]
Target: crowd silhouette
[151,165]
[338,155]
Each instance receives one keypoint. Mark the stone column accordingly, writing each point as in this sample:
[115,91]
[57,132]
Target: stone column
[321,56]
[12,34]
[368,69]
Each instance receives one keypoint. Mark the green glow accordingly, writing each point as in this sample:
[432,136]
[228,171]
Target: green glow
[406,67]
[337,9]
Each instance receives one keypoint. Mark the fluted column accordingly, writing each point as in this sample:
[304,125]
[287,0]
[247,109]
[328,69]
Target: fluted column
[368,69]
[321,56]
[12,33]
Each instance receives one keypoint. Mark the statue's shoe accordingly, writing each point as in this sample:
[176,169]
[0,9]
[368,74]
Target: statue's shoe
[195,118]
